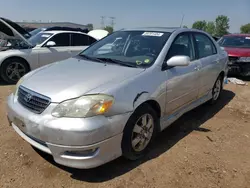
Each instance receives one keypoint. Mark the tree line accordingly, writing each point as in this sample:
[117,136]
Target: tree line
[219,27]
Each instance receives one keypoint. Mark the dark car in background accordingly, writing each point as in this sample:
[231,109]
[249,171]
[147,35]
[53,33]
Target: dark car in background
[238,49]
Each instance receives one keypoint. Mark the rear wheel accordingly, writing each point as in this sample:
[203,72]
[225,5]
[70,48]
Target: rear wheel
[139,132]
[13,69]
[216,91]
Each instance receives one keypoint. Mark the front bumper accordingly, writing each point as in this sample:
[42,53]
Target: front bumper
[239,68]
[73,142]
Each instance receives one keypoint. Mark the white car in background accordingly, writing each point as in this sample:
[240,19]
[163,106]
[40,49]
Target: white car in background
[24,53]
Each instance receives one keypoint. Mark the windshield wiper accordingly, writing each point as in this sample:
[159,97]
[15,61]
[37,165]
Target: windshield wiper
[115,61]
[92,58]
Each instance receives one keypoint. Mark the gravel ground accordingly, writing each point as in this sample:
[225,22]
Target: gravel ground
[207,147]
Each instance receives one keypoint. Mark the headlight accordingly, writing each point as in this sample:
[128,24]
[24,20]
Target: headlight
[85,106]
[244,59]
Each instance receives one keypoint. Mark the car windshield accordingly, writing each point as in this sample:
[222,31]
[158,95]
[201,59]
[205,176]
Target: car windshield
[39,38]
[129,48]
[35,31]
[235,41]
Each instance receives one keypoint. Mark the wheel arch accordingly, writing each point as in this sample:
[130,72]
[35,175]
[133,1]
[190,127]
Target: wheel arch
[222,74]
[16,57]
[155,106]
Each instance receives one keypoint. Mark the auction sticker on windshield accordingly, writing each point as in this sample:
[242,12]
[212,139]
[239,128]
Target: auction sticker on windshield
[154,34]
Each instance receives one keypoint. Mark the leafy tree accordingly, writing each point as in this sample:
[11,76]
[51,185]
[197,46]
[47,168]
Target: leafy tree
[221,25]
[184,26]
[201,25]
[90,26]
[245,28]
[110,29]
[210,28]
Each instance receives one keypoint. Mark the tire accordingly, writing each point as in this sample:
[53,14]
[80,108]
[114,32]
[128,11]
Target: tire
[216,91]
[9,66]
[130,136]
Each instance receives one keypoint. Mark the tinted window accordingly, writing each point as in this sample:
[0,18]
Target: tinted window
[61,39]
[182,45]
[205,46]
[91,40]
[81,40]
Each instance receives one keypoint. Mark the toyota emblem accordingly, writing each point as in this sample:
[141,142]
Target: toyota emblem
[28,97]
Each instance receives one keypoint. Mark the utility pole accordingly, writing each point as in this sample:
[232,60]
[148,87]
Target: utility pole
[182,19]
[102,21]
[112,23]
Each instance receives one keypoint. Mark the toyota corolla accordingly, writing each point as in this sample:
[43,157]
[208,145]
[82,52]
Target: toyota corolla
[115,96]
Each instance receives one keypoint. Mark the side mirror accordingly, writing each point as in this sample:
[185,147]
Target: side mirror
[50,44]
[178,60]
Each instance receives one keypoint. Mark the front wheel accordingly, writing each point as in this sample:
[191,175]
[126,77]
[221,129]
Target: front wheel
[13,69]
[139,132]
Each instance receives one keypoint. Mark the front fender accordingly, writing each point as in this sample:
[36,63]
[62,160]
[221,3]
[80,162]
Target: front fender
[130,94]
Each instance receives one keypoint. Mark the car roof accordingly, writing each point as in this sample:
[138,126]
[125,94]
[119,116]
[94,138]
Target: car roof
[239,35]
[62,31]
[162,29]
[159,29]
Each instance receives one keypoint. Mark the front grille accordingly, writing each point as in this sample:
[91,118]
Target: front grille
[33,101]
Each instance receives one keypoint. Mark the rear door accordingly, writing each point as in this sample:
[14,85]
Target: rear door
[58,52]
[182,82]
[80,42]
[210,66]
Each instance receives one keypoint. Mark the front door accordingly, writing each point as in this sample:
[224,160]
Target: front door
[59,52]
[182,82]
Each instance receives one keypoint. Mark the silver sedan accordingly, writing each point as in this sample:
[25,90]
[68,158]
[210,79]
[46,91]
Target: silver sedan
[115,96]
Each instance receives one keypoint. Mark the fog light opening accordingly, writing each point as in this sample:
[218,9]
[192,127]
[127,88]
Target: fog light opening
[81,153]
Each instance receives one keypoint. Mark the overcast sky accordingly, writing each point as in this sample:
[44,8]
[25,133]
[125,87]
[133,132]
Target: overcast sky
[128,13]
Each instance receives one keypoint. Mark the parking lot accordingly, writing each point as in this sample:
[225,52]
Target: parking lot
[208,147]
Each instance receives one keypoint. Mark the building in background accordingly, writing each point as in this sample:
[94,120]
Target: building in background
[29,26]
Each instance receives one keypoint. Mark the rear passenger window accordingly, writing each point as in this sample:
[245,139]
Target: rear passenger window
[81,40]
[205,46]
[182,45]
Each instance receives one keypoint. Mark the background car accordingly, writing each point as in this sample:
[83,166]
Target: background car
[57,28]
[238,49]
[27,53]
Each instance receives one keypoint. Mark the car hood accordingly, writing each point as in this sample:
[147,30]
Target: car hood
[239,52]
[11,30]
[74,77]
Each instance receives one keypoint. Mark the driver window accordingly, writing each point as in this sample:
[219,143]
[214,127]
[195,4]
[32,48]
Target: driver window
[61,39]
[182,45]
